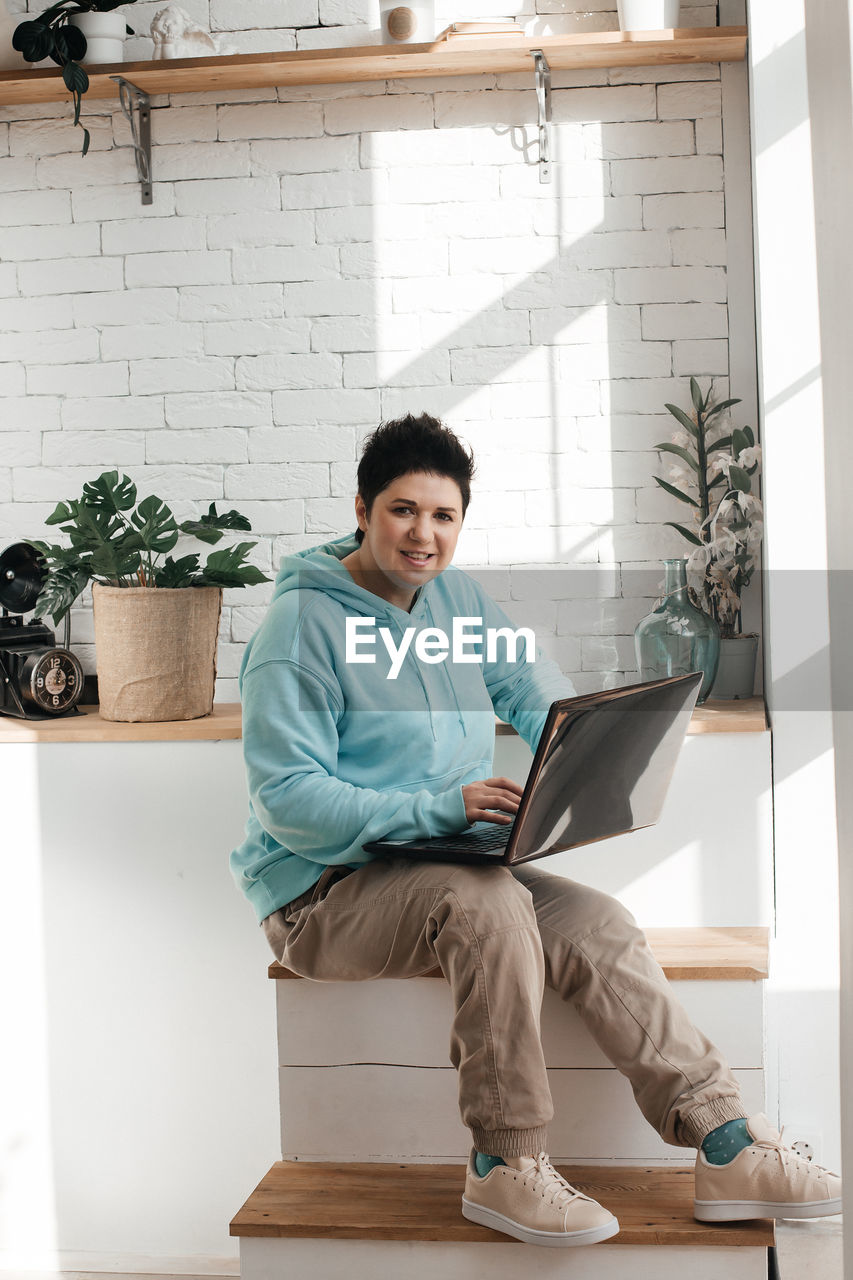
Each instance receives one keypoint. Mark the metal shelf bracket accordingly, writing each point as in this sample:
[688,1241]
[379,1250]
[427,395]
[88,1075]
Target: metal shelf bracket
[543,98]
[136,105]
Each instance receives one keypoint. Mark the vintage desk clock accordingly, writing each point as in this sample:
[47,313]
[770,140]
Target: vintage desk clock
[38,679]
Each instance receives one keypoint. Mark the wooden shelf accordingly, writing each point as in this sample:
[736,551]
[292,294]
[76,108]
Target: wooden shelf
[301,1200]
[225,722]
[388,62]
[747,715]
[724,954]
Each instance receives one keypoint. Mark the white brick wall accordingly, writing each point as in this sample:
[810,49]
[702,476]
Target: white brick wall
[318,259]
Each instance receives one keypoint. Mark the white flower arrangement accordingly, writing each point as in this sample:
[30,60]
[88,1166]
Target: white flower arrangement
[728,525]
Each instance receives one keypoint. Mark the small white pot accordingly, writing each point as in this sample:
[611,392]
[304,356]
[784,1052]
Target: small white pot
[407,21]
[648,15]
[104,34]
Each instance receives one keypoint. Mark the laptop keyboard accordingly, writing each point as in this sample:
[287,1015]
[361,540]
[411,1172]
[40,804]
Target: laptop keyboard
[482,841]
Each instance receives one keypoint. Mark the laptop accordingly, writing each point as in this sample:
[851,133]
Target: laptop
[602,767]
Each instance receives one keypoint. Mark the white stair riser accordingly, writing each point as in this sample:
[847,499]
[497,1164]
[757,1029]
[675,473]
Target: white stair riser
[408,1023]
[262,1259]
[390,1113]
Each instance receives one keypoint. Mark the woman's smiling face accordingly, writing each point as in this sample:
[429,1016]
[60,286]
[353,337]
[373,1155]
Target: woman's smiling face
[410,534]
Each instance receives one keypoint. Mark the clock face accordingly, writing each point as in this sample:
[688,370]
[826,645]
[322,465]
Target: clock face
[52,680]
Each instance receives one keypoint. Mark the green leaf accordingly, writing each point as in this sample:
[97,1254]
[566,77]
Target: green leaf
[177,573]
[113,548]
[718,408]
[76,80]
[209,528]
[724,442]
[156,524]
[676,493]
[70,43]
[64,512]
[33,40]
[740,441]
[666,447]
[115,561]
[227,568]
[59,11]
[697,397]
[686,422]
[747,431]
[62,586]
[685,533]
[110,492]
[86,139]
[739,479]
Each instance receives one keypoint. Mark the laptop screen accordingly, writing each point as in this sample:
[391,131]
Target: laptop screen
[603,766]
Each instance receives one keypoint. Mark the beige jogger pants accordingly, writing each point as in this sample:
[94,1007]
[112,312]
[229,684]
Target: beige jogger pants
[498,935]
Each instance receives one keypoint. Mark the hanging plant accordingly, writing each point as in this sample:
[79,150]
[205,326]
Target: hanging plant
[51,36]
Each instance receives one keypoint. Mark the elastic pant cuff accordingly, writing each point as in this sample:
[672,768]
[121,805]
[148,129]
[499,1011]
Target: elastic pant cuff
[510,1142]
[708,1116]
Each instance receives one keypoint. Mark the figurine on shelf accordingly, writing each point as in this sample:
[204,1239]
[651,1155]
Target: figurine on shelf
[175,35]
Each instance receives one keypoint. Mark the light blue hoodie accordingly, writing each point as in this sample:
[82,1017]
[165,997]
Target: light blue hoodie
[337,753]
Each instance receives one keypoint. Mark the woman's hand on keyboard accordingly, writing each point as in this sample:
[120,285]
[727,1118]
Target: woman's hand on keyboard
[493,800]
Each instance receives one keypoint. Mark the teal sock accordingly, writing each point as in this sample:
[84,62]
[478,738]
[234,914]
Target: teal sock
[484,1163]
[723,1144]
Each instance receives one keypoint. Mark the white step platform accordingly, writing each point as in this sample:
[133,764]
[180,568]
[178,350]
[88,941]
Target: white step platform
[371,1181]
[377,1053]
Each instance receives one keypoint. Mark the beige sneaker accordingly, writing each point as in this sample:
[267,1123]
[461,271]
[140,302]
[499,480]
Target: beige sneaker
[765,1180]
[535,1205]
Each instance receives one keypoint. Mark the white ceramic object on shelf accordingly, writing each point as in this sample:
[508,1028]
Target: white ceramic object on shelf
[407,21]
[104,34]
[648,15]
[175,35]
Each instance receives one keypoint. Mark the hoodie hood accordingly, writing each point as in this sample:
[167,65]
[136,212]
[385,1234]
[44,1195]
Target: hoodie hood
[320,569]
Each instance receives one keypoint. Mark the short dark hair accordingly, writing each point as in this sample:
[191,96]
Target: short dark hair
[412,444]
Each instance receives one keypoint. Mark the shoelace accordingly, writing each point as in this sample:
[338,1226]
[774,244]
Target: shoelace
[544,1173]
[787,1154]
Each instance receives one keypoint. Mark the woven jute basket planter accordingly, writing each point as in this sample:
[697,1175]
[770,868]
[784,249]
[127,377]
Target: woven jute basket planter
[156,651]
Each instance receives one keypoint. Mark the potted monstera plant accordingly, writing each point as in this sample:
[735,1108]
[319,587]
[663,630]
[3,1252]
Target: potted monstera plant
[55,35]
[156,617]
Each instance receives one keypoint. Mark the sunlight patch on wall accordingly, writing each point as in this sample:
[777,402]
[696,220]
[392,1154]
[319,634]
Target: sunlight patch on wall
[27,1201]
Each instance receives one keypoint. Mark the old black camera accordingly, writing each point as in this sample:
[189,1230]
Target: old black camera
[38,679]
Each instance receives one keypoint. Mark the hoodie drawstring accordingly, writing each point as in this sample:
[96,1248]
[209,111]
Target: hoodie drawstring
[459,715]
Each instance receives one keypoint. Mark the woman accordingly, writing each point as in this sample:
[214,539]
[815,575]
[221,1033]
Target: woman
[350,742]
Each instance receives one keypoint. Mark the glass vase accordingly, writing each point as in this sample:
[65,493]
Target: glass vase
[676,637]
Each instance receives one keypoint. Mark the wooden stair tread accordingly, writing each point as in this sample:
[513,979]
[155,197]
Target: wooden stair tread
[422,1202]
[730,954]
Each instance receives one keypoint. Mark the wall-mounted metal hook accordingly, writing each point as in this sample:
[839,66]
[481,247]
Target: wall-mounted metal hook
[543,98]
[136,105]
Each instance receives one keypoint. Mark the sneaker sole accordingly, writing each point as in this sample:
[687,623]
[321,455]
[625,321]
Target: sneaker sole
[529,1235]
[741,1210]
